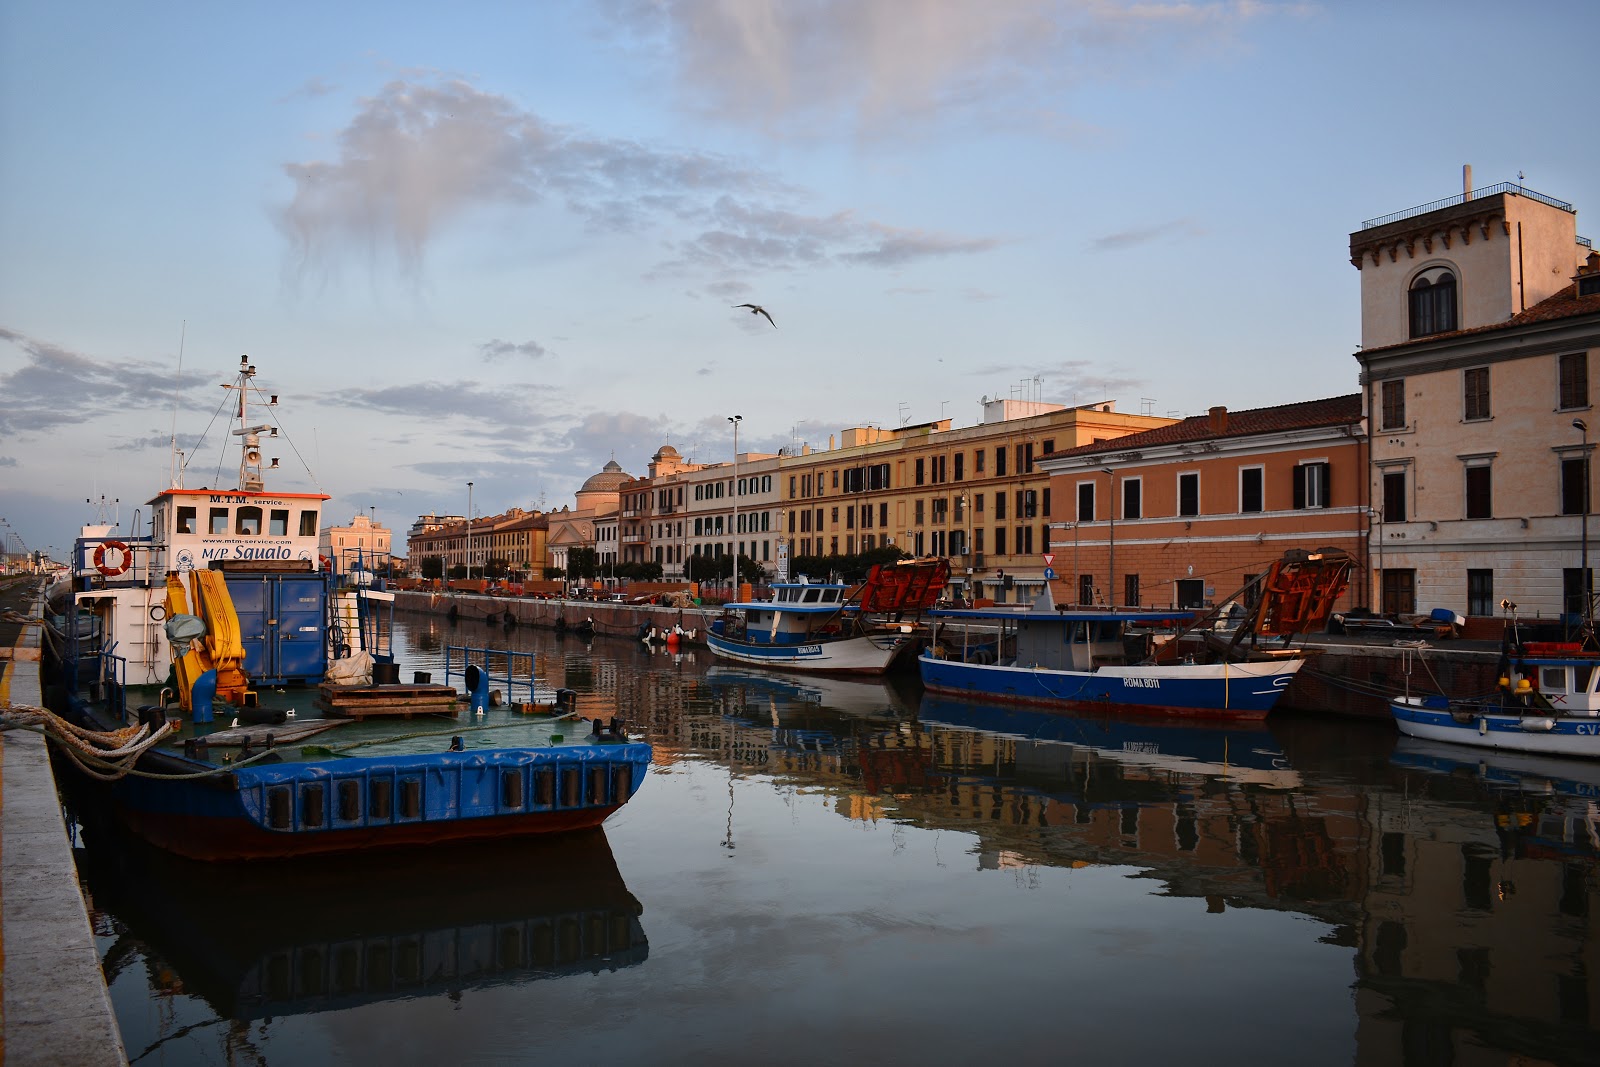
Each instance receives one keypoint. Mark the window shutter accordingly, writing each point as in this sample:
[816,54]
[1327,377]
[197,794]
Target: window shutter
[1299,486]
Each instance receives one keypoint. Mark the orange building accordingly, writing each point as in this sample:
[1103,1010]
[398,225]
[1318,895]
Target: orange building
[1184,515]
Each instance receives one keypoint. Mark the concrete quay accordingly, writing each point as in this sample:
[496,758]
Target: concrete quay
[56,1009]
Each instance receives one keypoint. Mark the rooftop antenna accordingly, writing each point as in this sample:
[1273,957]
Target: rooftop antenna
[904,408]
[1148,403]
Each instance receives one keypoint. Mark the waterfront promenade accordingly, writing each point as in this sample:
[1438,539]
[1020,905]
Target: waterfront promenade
[52,991]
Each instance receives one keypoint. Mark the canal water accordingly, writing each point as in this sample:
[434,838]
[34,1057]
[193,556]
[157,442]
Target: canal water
[824,871]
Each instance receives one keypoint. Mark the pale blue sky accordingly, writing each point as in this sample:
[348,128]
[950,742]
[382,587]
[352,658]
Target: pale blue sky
[500,242]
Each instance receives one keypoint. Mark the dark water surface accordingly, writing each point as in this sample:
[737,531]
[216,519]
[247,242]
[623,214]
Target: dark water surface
[823,871]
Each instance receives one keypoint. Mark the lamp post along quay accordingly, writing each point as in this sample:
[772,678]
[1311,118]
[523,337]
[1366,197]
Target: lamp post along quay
[733,588]
[469,531]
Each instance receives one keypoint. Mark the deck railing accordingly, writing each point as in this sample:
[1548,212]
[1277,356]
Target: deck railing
[1461,198]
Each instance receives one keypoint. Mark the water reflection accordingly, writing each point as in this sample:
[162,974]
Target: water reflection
[1451,896]
[260,941]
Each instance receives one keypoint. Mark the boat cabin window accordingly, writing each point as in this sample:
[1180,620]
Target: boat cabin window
[1553,679]
[308,524]
[813,595]
[186,518]
[278,525]
[1583,676]
[219,521]
[247,522]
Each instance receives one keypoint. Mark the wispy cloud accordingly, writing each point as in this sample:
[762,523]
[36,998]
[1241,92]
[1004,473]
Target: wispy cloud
[883,66]
[1142,235]
[424,153]
[496,350]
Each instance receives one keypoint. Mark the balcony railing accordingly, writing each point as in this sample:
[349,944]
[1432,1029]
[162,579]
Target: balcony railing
[1462,198]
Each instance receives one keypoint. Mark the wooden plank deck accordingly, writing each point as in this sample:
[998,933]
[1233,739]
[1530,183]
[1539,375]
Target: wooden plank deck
[402,701]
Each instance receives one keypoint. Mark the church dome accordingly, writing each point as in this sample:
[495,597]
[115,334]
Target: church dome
[609,480]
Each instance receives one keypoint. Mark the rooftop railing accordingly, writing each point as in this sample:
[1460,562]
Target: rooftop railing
[1462,198]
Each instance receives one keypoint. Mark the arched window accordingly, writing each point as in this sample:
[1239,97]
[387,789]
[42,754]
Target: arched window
[1433,302]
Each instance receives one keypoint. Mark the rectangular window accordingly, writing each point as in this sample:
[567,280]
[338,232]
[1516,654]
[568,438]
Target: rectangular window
[999,505]
[977,540]
[1130,590]
[999,540]
[277,522]
[1049,445]
[961,465]
[1189,493]
[1480,504]
[1026,466]
[1132,498]
[1574,372]
[977,503]
[883,513]
[1085,589]
[1475,383]
[1085,501]
[917,479]
[1574,499]
[1394,496]
[1394,405]
[1572,591]
[916,509]
[1046,503]
[219,522]
[186,517]
[978,458]
[1024,541]
[1480,592]
[1000,462]
[1250,490]
[1311,485]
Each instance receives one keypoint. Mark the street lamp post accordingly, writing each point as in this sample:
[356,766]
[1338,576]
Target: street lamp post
[469,531]
[1111,566]
[734,587]
[1588,593]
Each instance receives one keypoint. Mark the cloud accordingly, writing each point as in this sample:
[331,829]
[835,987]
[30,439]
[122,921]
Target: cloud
[497,349]
[424,153]
[56,387]
[8,461]
[1165,231]
[885,66]
[1077,379]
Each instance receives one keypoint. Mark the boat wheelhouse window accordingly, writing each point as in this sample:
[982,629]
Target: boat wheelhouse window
[247,522]
[830,596]
[1582,677]
[308,524]
[186,517]
[219,521]
[1553,679]
[812,596]
[278,523]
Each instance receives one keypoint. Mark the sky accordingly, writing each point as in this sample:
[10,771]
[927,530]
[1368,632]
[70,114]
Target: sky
[502,243]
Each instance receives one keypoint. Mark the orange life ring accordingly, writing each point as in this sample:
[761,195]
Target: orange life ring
[100,558]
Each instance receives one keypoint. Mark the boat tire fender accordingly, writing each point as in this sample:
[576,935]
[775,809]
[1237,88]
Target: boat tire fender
[158,612]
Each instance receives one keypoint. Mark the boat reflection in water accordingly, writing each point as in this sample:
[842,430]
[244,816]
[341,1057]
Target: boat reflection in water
[278,940]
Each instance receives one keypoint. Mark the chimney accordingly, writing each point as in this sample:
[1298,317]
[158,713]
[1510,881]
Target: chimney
[1466,181]
[1217,418]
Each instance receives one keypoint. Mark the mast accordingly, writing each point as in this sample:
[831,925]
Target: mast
[250,479]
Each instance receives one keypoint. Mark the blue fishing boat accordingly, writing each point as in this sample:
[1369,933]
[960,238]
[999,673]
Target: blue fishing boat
[1136,661]
[191,664]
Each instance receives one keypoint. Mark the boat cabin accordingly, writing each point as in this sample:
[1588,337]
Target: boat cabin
[1563,674]
[199,528]
[797,613]
[1060,641]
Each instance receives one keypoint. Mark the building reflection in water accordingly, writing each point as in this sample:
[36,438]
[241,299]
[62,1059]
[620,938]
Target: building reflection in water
[1464,887]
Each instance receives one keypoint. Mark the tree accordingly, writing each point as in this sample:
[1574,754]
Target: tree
[433,566]
[582,562]
[495,567]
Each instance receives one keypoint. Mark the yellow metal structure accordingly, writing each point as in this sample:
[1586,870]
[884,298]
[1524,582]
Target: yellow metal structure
[221,649]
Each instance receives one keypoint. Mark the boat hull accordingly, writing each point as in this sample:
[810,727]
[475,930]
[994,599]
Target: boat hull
[1220,691]
[346,805]
[1485,727]
[852,655]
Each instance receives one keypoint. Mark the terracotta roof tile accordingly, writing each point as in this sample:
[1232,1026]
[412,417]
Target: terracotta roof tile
[1305,415]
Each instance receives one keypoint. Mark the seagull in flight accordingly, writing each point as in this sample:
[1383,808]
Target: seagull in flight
[757,309]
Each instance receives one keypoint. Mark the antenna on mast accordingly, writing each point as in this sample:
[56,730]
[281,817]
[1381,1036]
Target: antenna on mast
[176,467]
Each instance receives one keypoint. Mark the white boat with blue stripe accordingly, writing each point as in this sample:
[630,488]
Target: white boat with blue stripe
[1546,701]
[809,626]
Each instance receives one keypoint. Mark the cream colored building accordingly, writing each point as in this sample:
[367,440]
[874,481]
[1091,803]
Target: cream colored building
[1480,330]
[974,494]
[362,539]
